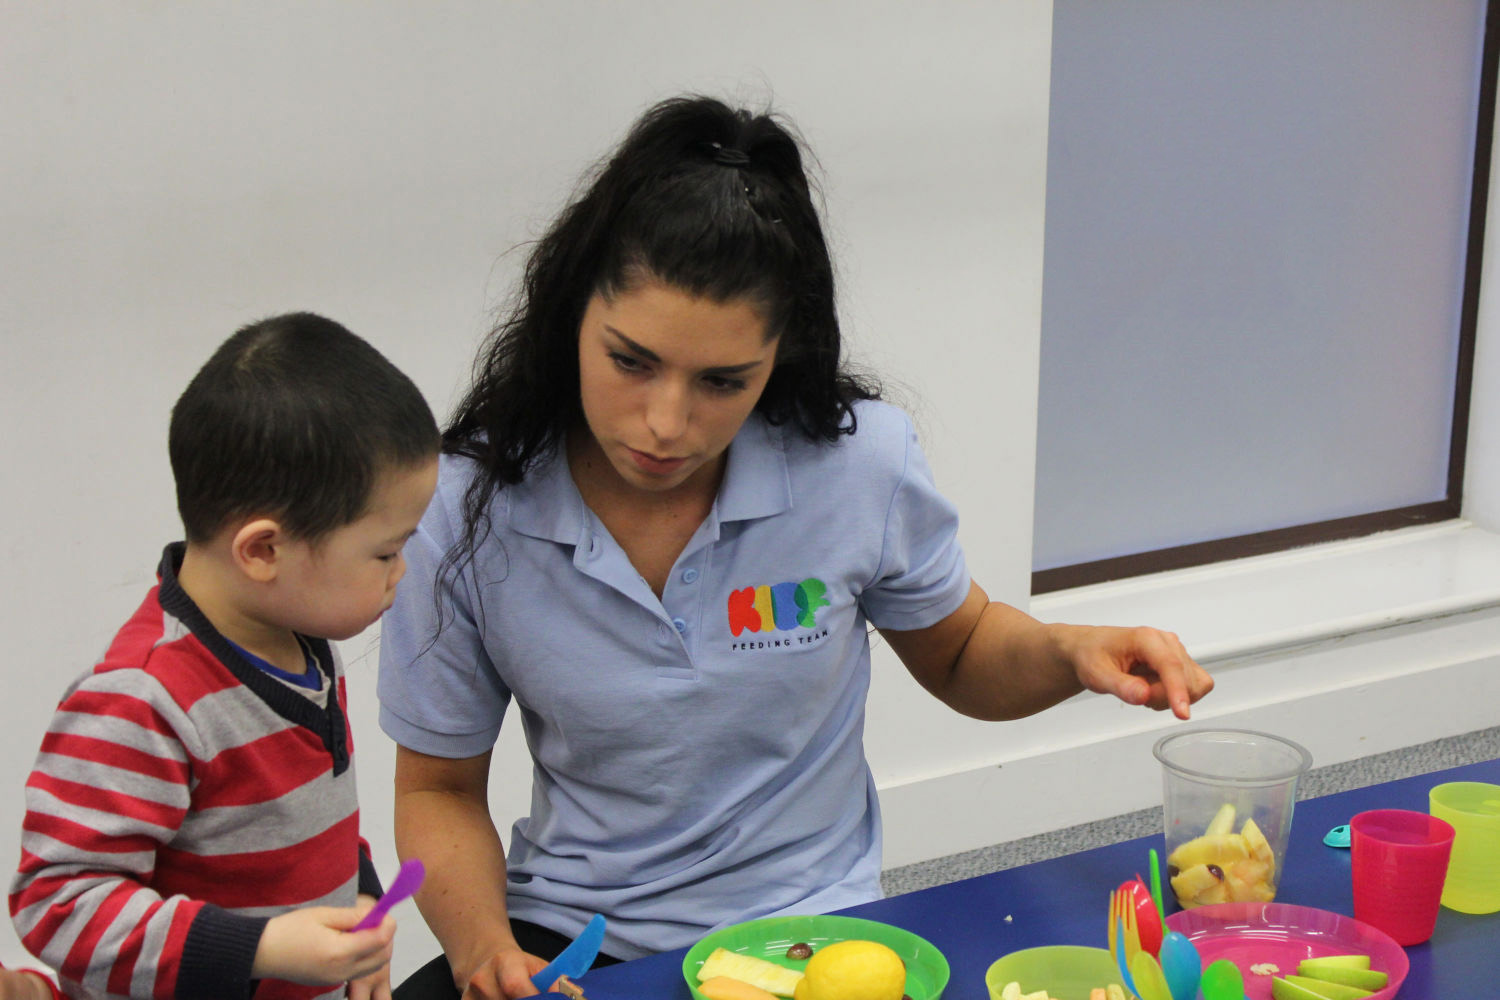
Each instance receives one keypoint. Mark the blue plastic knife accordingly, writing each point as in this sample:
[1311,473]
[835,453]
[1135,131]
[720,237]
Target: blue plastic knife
[576,958]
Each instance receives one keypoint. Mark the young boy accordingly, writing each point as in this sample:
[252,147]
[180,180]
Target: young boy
[191,823]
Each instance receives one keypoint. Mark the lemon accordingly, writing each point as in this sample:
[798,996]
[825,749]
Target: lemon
[853,970]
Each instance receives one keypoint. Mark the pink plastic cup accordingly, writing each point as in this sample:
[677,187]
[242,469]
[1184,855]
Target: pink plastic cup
[1400,859]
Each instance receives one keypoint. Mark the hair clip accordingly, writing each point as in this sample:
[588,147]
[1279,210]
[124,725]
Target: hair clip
[728,156]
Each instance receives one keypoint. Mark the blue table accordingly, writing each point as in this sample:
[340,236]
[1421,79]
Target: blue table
[1063,901]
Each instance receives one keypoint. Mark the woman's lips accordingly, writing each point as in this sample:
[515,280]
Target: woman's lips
[655,465]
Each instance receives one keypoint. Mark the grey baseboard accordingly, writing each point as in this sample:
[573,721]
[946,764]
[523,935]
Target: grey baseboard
[1468,748]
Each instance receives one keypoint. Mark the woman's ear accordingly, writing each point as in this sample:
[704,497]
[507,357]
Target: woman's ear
[257,547]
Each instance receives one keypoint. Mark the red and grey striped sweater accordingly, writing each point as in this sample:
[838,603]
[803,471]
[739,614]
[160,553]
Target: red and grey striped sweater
[181,799]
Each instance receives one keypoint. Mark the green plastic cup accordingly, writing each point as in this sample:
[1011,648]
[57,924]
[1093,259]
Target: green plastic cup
[1472,808]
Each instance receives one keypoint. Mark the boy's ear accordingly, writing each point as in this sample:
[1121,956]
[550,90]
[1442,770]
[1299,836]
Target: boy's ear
[257,547]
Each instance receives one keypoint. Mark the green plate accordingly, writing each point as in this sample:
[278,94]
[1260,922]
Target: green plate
[1065,971]
[769,938]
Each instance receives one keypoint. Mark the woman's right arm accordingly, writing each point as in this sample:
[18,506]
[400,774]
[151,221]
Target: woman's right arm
[443,817]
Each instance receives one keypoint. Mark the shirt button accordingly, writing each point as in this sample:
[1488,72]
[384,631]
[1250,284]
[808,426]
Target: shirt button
[689,575]
[679,624]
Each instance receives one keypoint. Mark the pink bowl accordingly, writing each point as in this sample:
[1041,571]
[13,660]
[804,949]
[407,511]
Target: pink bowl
[1281,934]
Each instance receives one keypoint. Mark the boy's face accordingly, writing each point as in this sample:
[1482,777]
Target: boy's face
[336,587]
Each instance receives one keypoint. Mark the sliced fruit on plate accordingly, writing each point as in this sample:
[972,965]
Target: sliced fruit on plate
[1330,991]
[1338,962]
[1282,989]
[725,988]
[1365,979]
[1012,991]
[757,972]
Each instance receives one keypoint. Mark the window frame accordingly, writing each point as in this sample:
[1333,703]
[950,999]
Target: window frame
[1338,529]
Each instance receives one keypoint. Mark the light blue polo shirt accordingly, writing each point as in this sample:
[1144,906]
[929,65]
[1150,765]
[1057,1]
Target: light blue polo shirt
[698,760]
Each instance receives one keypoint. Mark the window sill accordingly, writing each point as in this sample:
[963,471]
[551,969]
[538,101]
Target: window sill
[1248,607]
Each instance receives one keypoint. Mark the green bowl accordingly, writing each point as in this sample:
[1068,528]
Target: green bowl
[770,937]
[1066,972]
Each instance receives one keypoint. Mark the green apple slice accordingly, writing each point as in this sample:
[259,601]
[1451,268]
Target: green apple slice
[1330,991]
[1365,979]
[1285,989]
[1340,961]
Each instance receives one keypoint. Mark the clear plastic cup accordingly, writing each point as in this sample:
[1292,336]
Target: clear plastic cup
[1398,858]
[1473,809]
[1227,797]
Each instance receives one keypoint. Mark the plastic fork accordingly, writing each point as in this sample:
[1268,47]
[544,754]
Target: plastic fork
[1124,938]
[1122,910]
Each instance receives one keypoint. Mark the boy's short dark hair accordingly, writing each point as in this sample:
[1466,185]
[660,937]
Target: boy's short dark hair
[293,417]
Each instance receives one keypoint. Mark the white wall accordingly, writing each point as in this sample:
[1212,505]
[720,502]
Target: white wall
[173,171]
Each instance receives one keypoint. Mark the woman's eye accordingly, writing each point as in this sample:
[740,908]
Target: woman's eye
[625,362]
[724,384]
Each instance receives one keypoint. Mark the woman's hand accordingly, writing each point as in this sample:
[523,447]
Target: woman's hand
[506,976]
[991,661]
[443,817]
[1140,666]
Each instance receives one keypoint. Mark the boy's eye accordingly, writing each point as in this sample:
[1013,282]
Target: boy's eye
[388,557]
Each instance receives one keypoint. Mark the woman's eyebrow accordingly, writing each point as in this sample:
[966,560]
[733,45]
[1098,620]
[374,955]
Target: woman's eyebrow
[643,351]
[650,355]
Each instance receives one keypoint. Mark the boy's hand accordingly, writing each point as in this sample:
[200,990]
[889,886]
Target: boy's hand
[376,985]
[312,946]
[24,986]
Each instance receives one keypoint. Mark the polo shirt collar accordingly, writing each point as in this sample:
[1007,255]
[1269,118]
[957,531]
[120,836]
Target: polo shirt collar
[547,504]
[756,483]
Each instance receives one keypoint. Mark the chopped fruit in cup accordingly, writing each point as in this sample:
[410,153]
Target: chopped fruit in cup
[1224,867]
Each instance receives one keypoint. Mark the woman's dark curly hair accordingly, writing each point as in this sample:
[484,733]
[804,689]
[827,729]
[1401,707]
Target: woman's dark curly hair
[700,196]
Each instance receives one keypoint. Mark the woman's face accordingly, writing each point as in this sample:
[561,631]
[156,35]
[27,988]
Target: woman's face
[666,380]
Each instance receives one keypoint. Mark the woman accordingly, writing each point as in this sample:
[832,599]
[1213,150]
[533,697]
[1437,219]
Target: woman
[666,517]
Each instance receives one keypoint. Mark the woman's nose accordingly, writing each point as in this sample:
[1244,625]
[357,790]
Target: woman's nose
[667,412]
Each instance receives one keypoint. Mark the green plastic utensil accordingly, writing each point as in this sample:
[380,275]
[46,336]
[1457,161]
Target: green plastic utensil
[1222,981]
[1150,984]
[1156,885]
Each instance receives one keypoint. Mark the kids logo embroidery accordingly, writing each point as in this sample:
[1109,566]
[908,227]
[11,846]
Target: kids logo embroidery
[779,607]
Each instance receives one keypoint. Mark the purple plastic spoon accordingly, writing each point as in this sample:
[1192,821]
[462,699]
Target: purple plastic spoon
[407,881]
